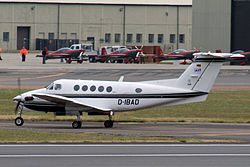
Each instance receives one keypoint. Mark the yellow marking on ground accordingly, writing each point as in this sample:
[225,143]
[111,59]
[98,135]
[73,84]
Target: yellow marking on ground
[224,134]
[46,76]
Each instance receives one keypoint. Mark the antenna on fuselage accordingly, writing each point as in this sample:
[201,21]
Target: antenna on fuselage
[121,79]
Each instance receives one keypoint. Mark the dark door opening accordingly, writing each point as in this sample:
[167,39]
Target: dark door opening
[240,35]
[92,39]
[23,37]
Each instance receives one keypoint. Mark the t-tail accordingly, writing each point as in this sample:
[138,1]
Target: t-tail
[201,74]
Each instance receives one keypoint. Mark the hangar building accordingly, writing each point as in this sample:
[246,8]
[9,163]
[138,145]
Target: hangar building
[32,23]
[221,24]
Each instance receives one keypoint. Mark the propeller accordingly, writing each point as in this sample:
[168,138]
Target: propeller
[136,47]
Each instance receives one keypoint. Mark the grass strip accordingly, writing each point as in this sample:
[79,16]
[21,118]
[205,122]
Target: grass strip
[221,106]
[30,136]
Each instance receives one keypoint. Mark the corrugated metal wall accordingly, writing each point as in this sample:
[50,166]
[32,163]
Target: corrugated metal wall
[80,21]
[212,25]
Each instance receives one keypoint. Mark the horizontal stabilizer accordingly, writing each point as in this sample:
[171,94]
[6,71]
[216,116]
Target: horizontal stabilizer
[216,55]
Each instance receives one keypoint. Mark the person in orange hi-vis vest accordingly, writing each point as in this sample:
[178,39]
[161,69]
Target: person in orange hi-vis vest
[0,54]
[23,52]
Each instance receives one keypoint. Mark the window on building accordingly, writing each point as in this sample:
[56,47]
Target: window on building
[41,35]
[63,35]
[6,36]
[73,35]
[129,38]
[182,38]
[160,38]
[117,38]
[139,38]
[172,38]
[150,38]
[107,37]
[51,35]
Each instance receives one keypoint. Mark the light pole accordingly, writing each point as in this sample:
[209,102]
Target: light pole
[124,24]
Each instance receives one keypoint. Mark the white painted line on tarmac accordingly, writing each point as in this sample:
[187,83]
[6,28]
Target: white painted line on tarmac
[129,155]
[124,145]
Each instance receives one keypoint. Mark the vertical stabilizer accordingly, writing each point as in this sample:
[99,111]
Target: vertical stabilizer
[201,74]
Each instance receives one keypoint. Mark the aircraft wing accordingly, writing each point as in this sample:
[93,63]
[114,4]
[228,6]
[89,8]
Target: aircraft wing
[55,56]
[116,54]
[64,100]
[237,56]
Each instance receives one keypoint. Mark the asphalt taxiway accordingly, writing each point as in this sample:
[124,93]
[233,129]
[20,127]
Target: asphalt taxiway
[136,155]
[238,133]
[33,74]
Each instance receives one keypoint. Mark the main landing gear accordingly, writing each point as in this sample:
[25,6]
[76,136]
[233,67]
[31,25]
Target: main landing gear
[77,124]
[109,123]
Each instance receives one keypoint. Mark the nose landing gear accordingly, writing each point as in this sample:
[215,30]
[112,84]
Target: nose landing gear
[19,120]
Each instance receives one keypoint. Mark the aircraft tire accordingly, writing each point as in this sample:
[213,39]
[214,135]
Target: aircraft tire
[79,124]
[19,121]
[108,124]
[76,124]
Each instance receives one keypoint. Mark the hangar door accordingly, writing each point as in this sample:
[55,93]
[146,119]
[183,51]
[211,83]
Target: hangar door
[240,25]
[23,37]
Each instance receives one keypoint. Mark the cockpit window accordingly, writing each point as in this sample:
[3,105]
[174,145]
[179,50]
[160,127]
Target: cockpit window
[50,87]
[58,86]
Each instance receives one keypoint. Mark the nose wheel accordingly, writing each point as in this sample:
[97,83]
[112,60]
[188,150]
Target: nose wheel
[19,121]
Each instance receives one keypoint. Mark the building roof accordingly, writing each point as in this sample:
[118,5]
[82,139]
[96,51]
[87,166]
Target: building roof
[111,2]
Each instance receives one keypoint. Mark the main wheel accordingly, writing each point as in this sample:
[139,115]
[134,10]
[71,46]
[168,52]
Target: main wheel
[108,124]
[76,124]
[19,121]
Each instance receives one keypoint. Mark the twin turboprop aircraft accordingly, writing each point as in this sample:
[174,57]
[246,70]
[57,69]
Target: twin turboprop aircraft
[72,97]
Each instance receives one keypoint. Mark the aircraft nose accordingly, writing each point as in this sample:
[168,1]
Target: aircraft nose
[17,98]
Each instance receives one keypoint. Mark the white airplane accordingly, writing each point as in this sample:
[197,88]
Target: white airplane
[72,97]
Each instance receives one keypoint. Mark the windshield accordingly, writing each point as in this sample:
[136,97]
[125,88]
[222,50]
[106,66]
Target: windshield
[238,52]
[63,50]
[122,50]
[87,47]
[179,51]
[50,87]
